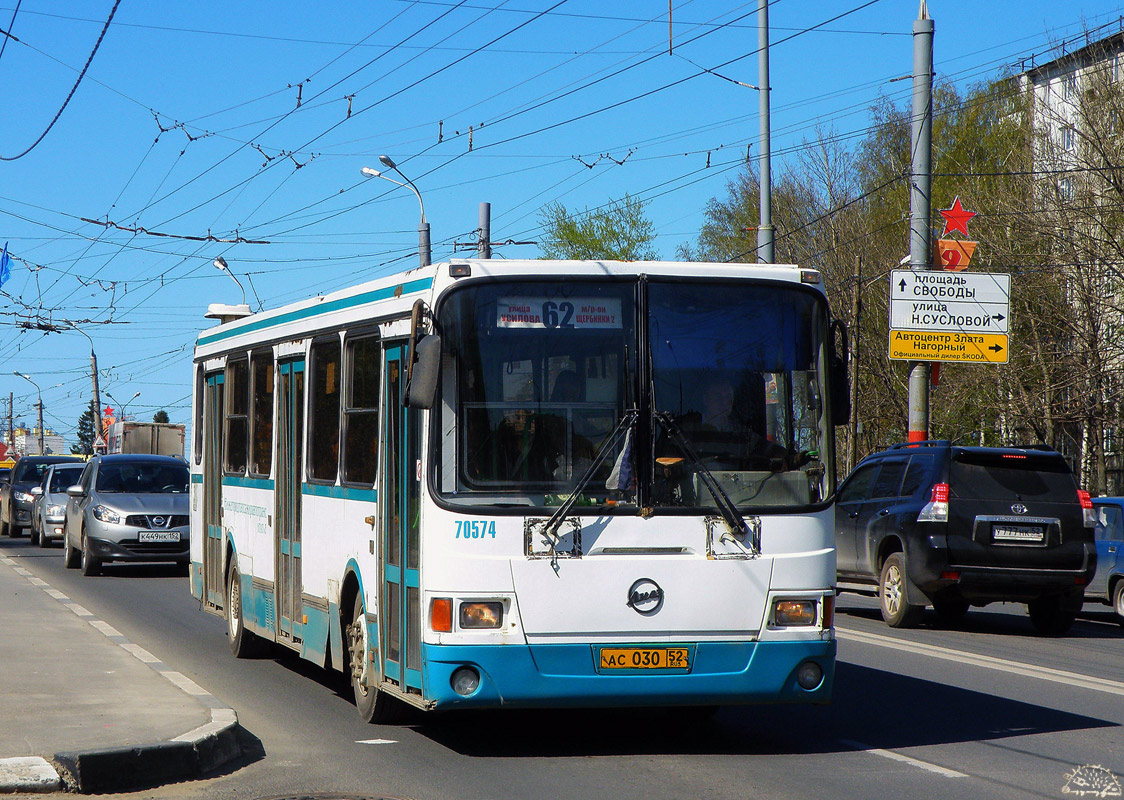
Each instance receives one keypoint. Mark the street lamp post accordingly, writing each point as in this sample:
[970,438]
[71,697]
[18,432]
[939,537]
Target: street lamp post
[124,405]
[424,252]
[96,421]
[39,392]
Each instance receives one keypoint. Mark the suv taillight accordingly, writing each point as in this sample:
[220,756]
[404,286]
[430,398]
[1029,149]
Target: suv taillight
[1089,516]
[936,510]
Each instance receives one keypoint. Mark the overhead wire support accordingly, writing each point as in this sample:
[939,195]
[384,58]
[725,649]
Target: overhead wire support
[208,238]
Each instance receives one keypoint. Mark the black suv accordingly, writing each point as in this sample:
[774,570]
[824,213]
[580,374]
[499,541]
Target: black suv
[932,523]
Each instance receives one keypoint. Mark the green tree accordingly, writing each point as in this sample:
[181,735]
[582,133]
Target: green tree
[618,231]
[86,433]
[160,416]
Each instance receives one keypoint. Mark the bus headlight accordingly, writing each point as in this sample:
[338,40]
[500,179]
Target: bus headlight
[794,612]
[481,615]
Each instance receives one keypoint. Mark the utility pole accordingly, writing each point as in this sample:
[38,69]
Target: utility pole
[856,332]
[765,228]
[11,425]
[42,452]
[94,376]
[920,201]
[484,246]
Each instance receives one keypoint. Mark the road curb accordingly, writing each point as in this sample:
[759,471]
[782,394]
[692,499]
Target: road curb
[189,755]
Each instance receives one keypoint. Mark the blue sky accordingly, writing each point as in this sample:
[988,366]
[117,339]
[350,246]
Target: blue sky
[231,120]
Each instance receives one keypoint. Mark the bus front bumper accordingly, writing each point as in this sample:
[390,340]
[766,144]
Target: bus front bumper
[566,676]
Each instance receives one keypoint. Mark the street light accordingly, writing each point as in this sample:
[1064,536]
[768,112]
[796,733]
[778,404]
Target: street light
[40,393]
[220,264]
[124,405]
[423,226]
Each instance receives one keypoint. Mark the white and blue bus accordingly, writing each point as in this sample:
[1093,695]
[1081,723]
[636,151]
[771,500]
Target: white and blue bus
[529,484]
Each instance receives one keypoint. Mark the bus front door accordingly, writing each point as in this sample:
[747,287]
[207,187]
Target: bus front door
[290,469]
[213,579]
[399,497]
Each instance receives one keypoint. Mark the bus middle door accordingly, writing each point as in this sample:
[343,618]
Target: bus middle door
[290,472]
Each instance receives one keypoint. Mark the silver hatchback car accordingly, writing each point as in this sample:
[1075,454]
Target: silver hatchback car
[48,512]
[128,507]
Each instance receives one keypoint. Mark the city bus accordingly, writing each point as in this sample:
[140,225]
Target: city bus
[486,484]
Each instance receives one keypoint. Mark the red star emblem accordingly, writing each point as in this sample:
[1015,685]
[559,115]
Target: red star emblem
[108,411]
[956,218]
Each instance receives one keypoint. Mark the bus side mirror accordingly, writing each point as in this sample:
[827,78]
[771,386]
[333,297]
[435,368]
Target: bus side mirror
[421,389]
[840,381]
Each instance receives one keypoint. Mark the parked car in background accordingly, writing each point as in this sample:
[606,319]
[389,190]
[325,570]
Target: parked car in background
[16,497]
[127,507]
[1107,585]
[48,511]
[932,523]
[5,474]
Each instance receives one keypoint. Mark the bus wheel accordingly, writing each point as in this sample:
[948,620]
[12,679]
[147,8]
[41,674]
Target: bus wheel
[373,705]
[242,643]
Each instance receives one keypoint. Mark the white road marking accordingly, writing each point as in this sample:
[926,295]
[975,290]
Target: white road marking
[376,741]
[55,593]
[105,627]
[915,762]
[184,682]
[81,611]
[141,653]
[987,662]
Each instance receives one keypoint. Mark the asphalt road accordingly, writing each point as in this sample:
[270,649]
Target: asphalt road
[981,708]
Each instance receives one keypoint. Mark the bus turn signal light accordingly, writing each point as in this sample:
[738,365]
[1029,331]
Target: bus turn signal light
[441,614]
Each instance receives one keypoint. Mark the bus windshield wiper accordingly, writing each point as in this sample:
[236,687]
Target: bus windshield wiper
[735,522]
[555,521]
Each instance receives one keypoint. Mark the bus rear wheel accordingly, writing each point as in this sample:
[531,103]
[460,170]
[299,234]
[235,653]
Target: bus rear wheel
[373,705]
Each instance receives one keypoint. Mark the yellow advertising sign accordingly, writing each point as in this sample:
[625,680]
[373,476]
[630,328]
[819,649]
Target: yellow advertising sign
[968,348]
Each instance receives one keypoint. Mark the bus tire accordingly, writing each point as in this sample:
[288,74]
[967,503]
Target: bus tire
[372,704]
[891,594]
[242,643]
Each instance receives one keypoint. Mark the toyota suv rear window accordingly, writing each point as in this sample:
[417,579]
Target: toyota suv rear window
[993,476]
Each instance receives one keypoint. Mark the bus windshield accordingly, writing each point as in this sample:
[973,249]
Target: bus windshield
[538,376]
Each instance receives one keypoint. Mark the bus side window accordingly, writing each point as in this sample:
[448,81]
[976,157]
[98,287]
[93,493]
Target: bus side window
[324,412]
[237,428]
[261,433]
[361,411]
